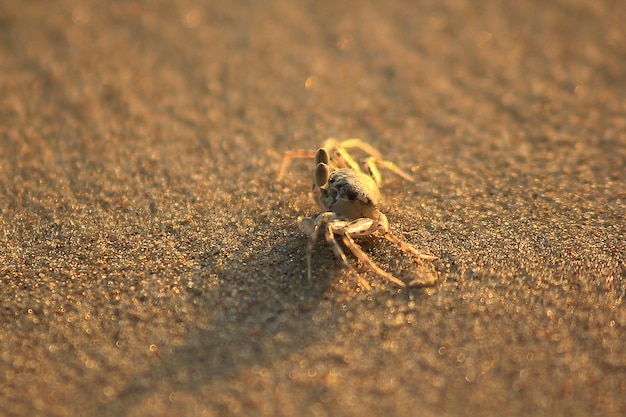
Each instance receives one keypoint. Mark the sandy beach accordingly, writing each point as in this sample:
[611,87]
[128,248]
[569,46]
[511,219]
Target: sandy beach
[151,262]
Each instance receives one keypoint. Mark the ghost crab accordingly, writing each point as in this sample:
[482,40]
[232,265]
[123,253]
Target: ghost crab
[350,199]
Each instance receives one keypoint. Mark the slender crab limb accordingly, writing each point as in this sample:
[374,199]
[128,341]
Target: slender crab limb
[372,169]
[372,162]
[310,226]
[362,256]
[289,156]
[363,282]
[359,228]
[347,159]
[406,247]
[372,165]
[331,231]
[330,238]
[364,146]
[309,252]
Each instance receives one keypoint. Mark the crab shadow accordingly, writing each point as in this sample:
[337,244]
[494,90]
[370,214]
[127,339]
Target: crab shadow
[261,308]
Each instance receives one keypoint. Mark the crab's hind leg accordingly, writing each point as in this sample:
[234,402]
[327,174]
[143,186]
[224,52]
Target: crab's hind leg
[372,164]
[362,256]
[407,247]
[345,159]
[342,158]
[362,145]
[291,155]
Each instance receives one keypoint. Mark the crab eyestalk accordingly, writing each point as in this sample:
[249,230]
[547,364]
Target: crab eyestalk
[322,156]
[322,172]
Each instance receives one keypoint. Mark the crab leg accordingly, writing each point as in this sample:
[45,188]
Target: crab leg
[372,165]
[311,226]
[289,156]
[406,247]
[330,238]
[362,145]
[362,256]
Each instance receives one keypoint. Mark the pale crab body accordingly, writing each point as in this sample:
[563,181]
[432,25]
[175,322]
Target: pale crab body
[351,194]
[350,200]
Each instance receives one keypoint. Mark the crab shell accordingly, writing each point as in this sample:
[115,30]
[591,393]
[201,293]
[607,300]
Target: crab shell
[350,194]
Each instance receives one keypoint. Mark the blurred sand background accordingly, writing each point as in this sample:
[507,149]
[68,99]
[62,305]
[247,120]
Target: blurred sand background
[150,261]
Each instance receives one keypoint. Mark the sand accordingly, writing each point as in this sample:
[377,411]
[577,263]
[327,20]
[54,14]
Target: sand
[150,258]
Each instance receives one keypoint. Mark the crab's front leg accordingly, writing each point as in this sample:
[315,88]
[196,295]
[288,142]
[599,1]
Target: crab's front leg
[311,226]
[337,227]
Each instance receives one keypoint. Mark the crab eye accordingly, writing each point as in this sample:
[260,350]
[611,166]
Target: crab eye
[321,174]
[322,157]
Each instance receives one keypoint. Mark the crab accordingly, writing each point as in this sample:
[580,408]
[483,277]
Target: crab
[350,199]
